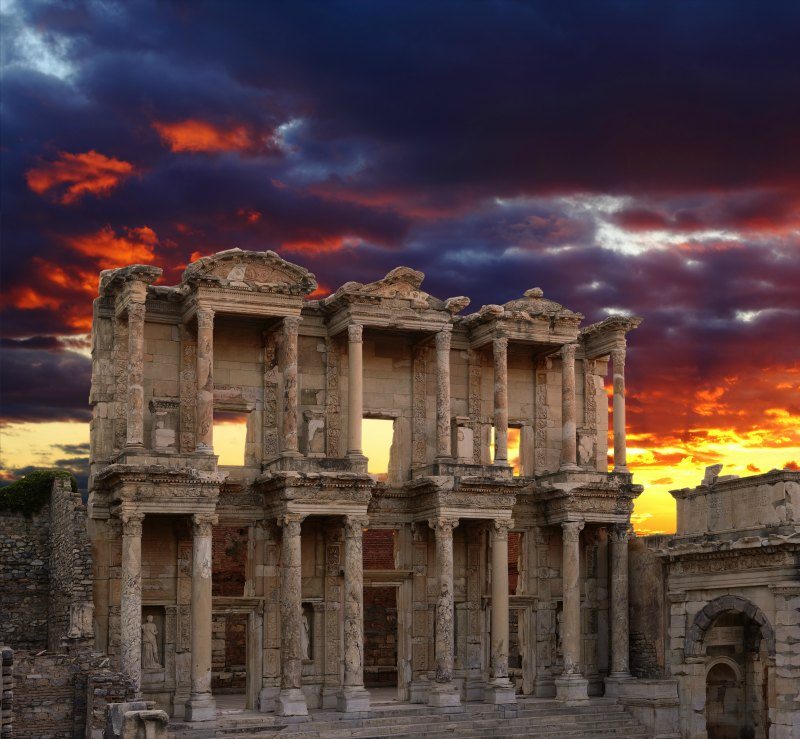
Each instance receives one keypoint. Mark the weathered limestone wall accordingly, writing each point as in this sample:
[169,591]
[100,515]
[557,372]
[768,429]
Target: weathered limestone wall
[55,693]
[648,609]
[6,692]
[24,579]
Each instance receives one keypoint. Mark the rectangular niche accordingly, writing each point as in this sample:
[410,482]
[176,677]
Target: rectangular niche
[150,669]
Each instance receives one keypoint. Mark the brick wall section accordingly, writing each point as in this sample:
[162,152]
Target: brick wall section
[514,538]
[70,559]
[229,555]
[54,693]
[24,579]
[378,549]
[6,692]
[380,636]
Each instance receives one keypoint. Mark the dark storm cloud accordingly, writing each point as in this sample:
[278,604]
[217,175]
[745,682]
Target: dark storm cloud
[457,138]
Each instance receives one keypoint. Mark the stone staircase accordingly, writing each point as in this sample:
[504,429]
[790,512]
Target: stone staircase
[532,717]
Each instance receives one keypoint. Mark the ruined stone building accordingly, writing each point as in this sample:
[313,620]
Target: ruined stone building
[458,575]
[239,334]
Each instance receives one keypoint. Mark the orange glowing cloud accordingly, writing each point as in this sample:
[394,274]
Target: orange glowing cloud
[324,245]
[196,136]
[26,298]
[75,175]
[110,250]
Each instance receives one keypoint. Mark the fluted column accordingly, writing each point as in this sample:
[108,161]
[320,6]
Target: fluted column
[134,436]
[443,436]
[500,354]
[291,701]
[443,691]
[205,380]
[288,367]
[571,685]
[131,598]
[353,696]
[500,689]
[620,444]
[619,601]
[355,389]
[569,442]
[201,705]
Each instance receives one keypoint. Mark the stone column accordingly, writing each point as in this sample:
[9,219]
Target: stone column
[569,444]
[620,450]
[444,692]
[205,380]
[289,369]
[500,352]
[571,685]
[201,705]
[619,601]
[291,701]
[134,437]
[443,434]
[500,689]
[355,389]
[353,696]
[131,598]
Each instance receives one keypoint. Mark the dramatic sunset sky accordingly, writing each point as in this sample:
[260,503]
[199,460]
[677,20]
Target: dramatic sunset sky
[637,157]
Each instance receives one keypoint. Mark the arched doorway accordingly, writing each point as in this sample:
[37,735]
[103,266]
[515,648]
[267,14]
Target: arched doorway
[737,641]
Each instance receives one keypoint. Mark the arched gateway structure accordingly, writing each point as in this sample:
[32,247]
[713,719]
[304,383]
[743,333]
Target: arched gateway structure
[257,572]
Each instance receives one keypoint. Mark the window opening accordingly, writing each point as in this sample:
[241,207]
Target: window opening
[513,449]
[230,436]
[377,435]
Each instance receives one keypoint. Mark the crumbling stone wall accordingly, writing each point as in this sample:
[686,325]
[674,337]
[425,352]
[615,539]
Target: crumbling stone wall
[24,578]
[380,636]
[70,597]
[54,694]
[647,641]
[6,691]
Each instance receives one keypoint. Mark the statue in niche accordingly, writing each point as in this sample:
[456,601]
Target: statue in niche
[305,638]
[150,645]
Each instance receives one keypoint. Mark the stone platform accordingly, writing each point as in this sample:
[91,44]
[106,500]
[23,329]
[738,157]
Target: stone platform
[530,717]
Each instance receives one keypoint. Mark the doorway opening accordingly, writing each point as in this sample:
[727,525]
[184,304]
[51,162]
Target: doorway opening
[380,637]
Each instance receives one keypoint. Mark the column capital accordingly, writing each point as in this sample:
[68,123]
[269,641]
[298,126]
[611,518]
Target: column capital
[136,310]
[291,323]
[132,523]
[202,523]
[619,532]
[205,317]
[355,332]
[354,526]
[442,338]
[290,523]
[618,357]
[571,530]
[500,528]
[443,525]
[568,351]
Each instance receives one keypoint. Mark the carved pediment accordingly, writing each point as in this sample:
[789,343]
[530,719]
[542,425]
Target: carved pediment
[111,280]
[263,271]
[532,306]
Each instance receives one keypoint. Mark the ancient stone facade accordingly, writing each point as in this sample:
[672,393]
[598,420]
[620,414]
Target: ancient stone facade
[724,613]
[240,334]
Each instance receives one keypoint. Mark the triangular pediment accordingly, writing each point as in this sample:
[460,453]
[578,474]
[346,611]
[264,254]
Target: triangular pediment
[251,270]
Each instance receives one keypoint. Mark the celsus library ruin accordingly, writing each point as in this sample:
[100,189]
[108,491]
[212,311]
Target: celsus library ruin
[459,592]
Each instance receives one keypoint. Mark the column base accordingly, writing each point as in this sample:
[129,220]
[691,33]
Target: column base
[500,691]
[569,468]
[418,691]
[444,695]
[201,708]
[291,702]
[572,688]
[622,468]
[353,699]
[616,682]
[267,698]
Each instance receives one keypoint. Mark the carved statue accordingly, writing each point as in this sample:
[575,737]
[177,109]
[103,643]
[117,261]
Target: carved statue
[150,645]
[305,639]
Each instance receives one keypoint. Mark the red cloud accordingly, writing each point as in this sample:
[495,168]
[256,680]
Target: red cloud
[74,175]
[323,245]
[195,136]
[111,250]
[792,465]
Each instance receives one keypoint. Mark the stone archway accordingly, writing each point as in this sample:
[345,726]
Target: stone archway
[695,636]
